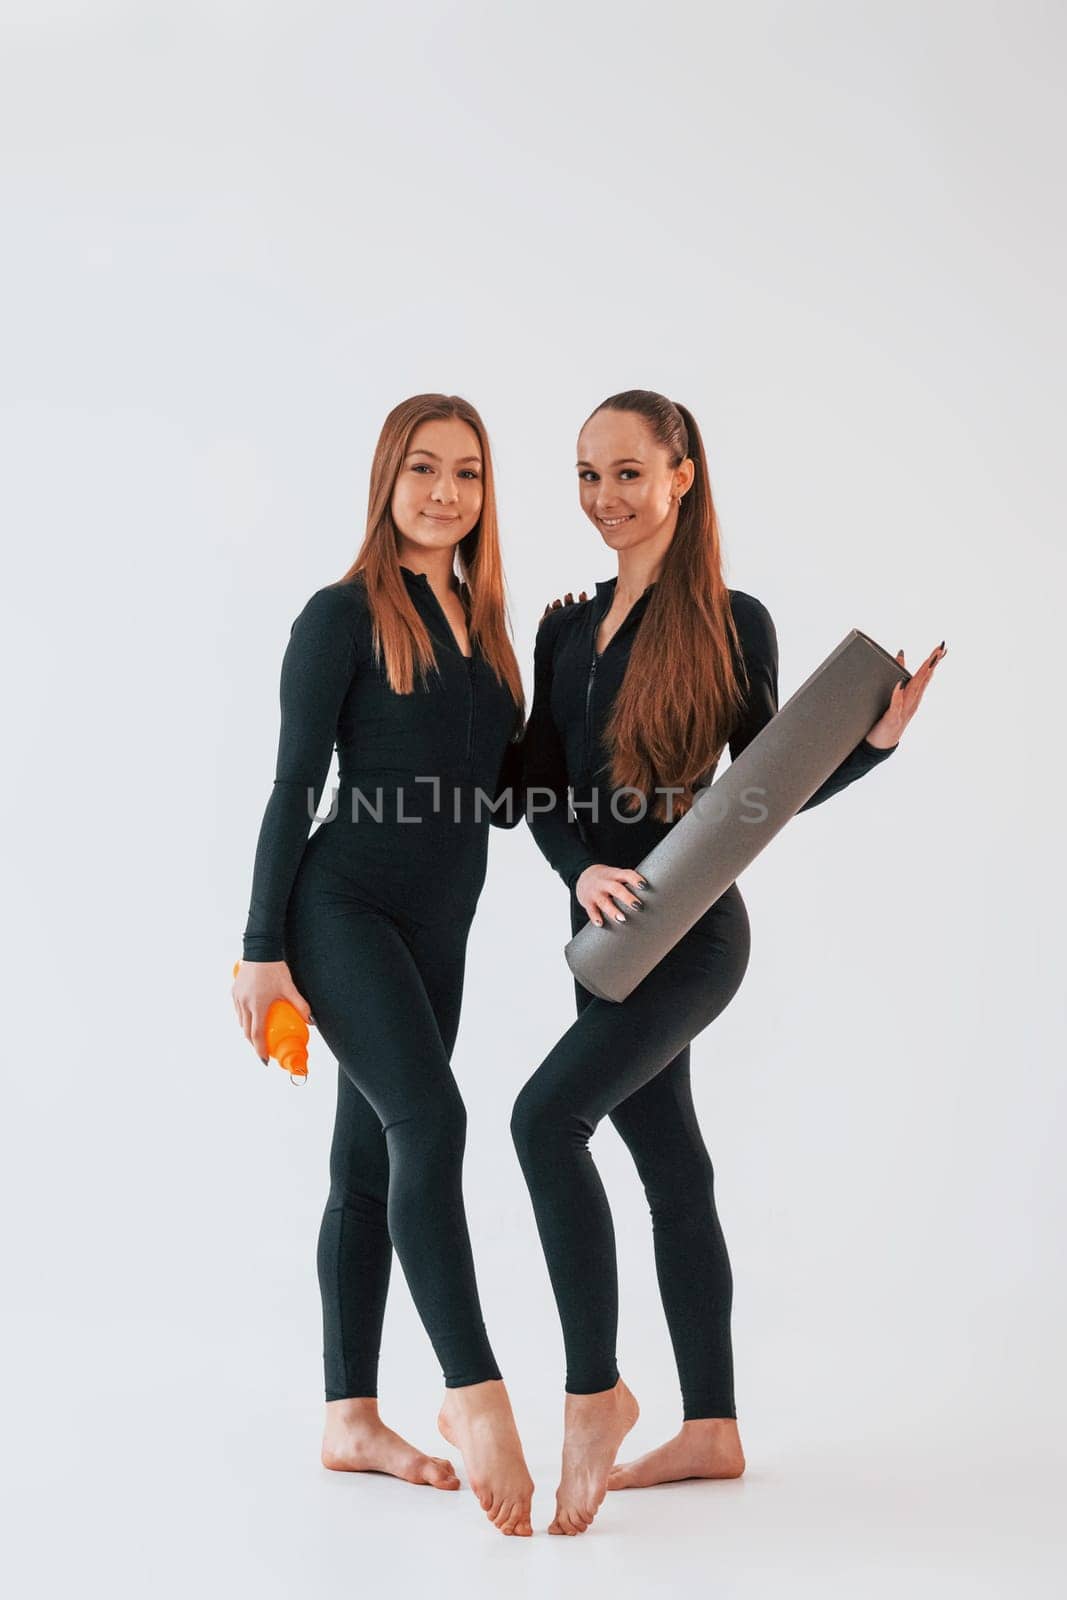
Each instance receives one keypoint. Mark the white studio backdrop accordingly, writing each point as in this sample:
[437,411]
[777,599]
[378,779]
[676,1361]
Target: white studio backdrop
[236,236]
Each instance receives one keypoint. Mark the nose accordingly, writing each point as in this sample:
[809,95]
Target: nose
[444,490]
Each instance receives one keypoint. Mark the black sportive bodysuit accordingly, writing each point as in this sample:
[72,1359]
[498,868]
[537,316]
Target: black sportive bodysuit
[630,1061]
[456,729]
[372,915]
[574,690]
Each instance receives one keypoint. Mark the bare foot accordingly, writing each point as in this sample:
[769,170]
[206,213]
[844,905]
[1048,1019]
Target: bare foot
[478,1420]
[709,1447]
[357,1440]
[594,1427]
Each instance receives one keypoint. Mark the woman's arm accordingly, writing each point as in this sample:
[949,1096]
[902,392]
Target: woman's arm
[509,796]
[545,770]
[316,674]
[760,642]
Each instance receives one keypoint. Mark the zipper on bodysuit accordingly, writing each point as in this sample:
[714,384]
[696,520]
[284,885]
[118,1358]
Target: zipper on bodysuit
[468,662]
[628,621]
[470,705]
[588,711]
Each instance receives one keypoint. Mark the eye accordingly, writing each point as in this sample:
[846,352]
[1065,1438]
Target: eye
[629,472]
[470,472]
[588,475]
[421,466]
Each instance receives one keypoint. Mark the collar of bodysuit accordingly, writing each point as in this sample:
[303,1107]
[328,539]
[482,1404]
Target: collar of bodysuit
[422,582]
[607,588]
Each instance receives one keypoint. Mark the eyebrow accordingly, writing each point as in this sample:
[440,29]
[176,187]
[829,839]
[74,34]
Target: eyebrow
[622,462]
[437,457]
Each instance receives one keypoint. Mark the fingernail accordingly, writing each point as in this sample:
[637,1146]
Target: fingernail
[639,904]
[941,646]
[619,917]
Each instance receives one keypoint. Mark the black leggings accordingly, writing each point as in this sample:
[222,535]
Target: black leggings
[385,992]
[630,1061]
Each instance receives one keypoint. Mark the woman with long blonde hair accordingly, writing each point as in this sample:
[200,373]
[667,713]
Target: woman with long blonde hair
[636,693]
[405,664]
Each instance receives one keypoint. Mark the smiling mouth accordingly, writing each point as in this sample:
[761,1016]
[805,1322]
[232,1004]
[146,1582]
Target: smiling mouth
[614,522]
[435,516]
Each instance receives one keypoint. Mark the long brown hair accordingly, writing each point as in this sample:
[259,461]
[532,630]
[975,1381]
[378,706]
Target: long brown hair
[680,694]
[400,635]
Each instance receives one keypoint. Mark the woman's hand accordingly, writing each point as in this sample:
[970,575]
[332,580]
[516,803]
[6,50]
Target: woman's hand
[568,600]
[599,887]
[257,985]
[905,701]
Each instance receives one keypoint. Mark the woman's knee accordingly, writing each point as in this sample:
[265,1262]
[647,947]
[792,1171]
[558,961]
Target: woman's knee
[432,1131]
[349,1194]
[524,1115]
[542,1119]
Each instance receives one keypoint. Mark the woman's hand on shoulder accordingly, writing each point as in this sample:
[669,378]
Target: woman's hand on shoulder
[599,888]
[257,985]
[568,600]
[905,701]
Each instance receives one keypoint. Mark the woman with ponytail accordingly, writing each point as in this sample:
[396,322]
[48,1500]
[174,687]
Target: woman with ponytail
[405,664]
[636,694]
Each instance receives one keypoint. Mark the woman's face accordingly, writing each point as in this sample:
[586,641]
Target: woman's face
[437,496]
[626,481]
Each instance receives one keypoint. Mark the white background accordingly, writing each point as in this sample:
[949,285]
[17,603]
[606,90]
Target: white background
[236,235]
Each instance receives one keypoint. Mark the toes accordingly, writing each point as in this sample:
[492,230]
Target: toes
[581,1518]
[568,1522]
[517,1518]
[503,1514]
[441,1474]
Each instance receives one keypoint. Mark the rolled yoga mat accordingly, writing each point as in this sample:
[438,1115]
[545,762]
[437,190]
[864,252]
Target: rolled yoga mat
[731,820]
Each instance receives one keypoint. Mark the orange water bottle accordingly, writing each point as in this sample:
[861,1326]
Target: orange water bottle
[287,1037]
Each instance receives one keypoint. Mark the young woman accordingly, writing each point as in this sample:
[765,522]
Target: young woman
[640,689]
[410,671]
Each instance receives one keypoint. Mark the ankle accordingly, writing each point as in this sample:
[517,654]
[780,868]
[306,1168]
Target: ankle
[361,1411]
[476,1396]
[597,1398]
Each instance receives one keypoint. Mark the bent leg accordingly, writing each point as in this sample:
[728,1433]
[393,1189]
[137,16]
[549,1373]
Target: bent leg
[610,1053]
[372,1007]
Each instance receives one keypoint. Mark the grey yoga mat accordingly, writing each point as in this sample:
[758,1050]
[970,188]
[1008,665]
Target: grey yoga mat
[731,820]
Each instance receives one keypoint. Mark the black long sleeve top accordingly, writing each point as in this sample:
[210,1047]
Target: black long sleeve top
[573,694]
[462,726]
